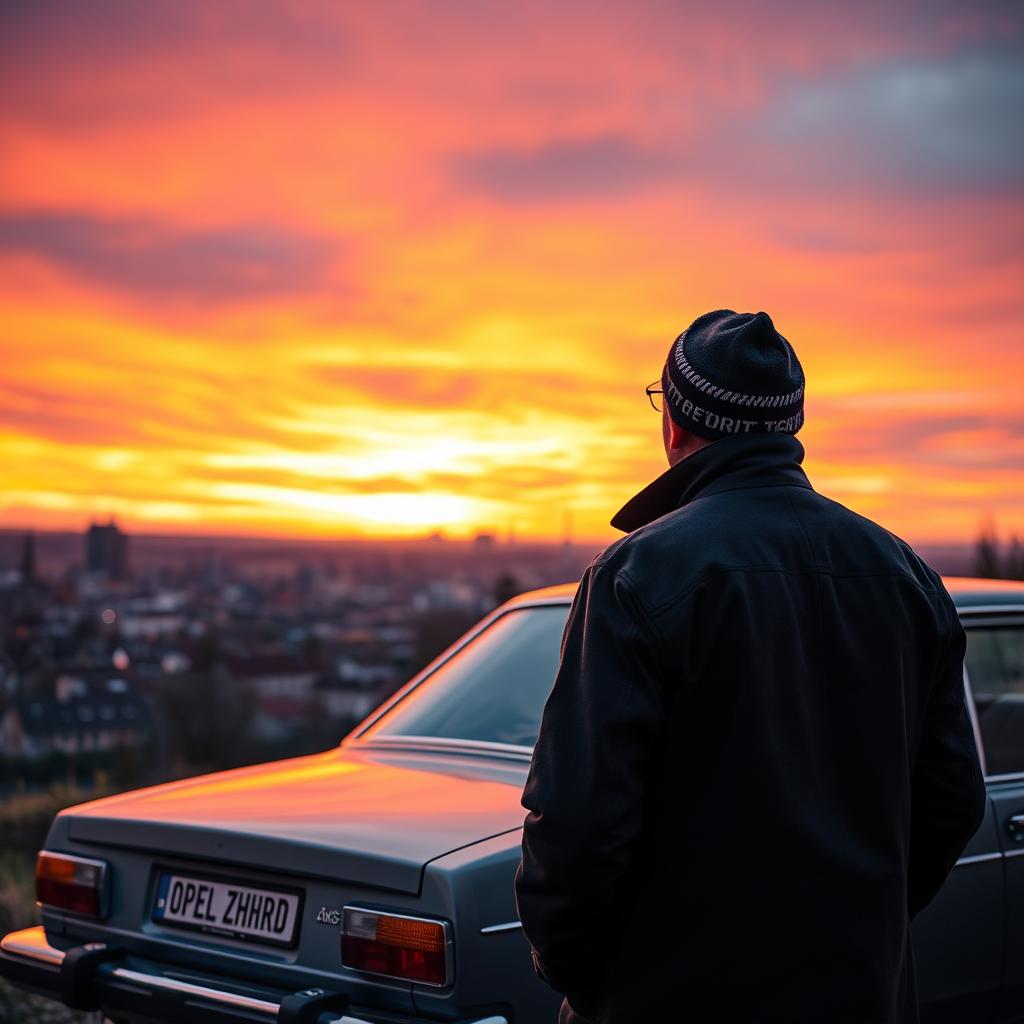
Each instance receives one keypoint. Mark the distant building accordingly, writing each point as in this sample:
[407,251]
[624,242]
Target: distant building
[272,676]
[28,559]
[26,595]
[106,551]
[81,716]
[354,690]
[446,594]
[282,685]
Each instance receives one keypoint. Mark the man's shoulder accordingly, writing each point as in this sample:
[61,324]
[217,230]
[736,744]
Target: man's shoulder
[800,530]
[680,544]
[849,542]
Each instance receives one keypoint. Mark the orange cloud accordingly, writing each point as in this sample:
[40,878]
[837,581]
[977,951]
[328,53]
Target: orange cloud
[329,271]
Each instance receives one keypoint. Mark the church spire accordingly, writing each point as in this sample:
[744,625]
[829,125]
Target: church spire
[28,558]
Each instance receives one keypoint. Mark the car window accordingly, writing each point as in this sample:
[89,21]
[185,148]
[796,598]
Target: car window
[995,666]
[493,690]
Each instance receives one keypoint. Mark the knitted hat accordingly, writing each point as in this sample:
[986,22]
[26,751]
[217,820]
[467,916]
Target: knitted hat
[733,373]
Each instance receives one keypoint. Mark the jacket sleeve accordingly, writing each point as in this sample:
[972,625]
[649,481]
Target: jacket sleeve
[585,789]
[948,796]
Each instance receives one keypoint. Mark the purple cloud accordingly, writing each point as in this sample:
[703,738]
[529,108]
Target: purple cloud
[149,258]
[562,169]
[941,124]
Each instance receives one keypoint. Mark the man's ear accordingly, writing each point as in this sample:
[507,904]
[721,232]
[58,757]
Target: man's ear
[677,438]
[679,442]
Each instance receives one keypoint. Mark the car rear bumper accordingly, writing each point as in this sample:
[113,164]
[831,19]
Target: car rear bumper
[97,976]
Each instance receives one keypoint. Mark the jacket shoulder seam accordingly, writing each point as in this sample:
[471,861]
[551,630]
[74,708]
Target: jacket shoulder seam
[645,620]
[766,569]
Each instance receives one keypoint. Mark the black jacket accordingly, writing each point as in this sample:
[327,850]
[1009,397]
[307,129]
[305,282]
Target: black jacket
[756,763]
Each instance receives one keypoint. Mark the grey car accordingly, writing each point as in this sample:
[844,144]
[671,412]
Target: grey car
[373,882]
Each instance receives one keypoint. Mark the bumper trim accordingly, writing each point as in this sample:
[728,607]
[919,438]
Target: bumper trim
[188,988]
[30,944]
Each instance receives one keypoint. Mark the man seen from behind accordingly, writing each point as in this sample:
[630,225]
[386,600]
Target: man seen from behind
[756,764]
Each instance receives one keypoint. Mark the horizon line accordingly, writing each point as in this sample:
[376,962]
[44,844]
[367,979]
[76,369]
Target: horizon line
[437,536]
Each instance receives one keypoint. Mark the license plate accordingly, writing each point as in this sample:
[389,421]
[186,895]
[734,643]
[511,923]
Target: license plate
[227,908]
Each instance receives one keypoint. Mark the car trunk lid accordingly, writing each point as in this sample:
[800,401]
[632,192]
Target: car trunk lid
[372,818]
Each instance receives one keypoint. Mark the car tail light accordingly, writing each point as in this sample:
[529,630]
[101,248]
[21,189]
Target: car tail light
[72,883]
[410,948]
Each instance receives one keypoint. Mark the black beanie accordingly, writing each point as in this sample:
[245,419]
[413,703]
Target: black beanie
[733,373]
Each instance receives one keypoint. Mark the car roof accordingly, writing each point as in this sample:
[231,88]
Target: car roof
[562,593]
[966,591]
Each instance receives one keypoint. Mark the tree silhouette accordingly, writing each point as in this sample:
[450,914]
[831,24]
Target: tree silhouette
[1013,563]
[506,586]
[986,554]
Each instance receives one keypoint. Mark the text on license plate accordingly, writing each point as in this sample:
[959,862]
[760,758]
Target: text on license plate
[225,908]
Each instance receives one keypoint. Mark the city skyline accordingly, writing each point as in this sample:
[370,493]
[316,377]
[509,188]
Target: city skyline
[58,553]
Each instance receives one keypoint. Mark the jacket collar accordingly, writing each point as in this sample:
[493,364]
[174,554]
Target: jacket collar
[738,461]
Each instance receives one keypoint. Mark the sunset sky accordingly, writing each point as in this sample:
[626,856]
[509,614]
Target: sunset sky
[328,269]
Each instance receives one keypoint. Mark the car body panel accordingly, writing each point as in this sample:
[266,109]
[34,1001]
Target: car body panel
[492,953]
[1006,796]
[958,937]
[339,812]
[314,961]
[1008,800]
[971,593]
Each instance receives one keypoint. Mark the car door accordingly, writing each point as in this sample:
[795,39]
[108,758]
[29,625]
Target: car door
[958,938]
[995,670]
